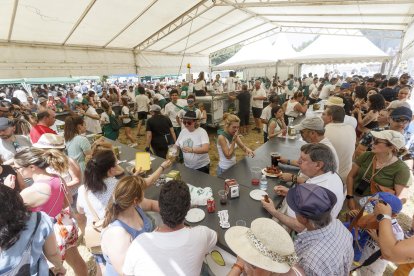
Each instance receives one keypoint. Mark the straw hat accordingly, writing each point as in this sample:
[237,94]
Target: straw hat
[50,141]
[335,101]
[265,244]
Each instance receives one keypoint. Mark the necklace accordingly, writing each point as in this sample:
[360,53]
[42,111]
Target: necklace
[380,165]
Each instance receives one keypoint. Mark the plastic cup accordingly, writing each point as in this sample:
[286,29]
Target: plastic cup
[256,173]
[241,222]
[223,197]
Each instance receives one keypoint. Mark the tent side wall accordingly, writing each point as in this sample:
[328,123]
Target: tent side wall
[26,61]
[156,63]
[283,71]
[408,43]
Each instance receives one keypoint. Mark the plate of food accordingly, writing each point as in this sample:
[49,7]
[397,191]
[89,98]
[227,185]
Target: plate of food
[257,194]
[195,215]
[272,171]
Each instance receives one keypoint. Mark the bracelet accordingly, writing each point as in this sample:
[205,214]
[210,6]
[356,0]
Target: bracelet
[238,266]
[295,179]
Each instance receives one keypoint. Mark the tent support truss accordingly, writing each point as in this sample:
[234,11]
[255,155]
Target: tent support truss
[189,15]
[284,3]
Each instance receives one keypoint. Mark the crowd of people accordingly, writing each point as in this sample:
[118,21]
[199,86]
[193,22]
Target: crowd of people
[55,183]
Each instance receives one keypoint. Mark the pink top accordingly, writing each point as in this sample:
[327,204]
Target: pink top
[54,204]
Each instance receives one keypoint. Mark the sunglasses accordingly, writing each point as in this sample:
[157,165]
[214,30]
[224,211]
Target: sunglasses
[185,122]
[378,141]
[400,120]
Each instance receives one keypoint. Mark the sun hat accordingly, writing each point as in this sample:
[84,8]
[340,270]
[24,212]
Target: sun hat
[4,123]
[313,123]
[42,100]
[3,95]
[392,136]
[335,101]
[310,200]
[50,141]
[402,111]
[50,94]
[56,98]
[265,244]
[155,108]
[190,115]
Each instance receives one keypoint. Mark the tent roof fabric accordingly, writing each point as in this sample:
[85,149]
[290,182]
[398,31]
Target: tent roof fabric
[193,26]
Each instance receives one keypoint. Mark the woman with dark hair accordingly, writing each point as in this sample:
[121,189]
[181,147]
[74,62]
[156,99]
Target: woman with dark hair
[107,129]
[25,238]
[294,107]
[127,121]
[375,104]
[360,97]
[49,194]
[276,124]
[200,85]
[77,145]
[99,184]
[125,220]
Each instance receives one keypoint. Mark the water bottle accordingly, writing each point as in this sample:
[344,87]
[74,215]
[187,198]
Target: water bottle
[263,183]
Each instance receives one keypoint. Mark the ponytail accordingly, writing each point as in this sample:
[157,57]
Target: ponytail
[57,160]
[97,170]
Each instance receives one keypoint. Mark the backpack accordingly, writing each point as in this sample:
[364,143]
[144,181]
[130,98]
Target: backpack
[23,267]
[114,122]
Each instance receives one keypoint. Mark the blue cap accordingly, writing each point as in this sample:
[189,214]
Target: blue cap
[392,200]
[345,85]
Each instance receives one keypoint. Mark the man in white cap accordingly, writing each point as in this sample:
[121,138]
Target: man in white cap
[342,136]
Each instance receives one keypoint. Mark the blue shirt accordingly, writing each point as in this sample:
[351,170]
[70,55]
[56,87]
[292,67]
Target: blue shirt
[12,256]
[147,227]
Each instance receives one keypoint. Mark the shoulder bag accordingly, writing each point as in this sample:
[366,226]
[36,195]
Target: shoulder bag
[93,231]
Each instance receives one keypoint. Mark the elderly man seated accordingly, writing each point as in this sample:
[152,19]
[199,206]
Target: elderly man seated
[317,162]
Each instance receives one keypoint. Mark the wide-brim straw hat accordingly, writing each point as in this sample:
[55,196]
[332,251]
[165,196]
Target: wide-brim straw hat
[265,244]
[335,101]
[50,141]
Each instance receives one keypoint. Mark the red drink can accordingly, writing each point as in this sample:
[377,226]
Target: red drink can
[211,205]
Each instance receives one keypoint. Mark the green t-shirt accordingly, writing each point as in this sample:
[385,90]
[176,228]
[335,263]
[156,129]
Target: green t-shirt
[397,173]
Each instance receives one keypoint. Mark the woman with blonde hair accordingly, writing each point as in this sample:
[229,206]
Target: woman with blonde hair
[125,220]
[227,141]
[49,194]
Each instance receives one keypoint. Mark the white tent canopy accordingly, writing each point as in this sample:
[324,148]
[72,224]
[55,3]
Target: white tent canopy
[261,53]
[122,30]
[340,49]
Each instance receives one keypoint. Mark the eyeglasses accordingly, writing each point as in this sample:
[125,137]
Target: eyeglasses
[378,141]
[185,122]
[400,120]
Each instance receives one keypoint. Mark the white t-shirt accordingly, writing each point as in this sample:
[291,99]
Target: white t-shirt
[326,91]
[169,253]
[99,200]
[343,138]
[350,120]
[200,85]
[231,84]
[142,103]
[105,118]
[332,182]
[125,111]
[258,93]
[194,139]
[92,125]
[266,115]
[171,111]
[328,143]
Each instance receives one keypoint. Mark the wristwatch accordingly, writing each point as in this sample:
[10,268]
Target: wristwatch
[349,196]
[383,216]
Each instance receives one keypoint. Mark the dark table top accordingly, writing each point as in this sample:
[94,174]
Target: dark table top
[241,208]
[288,148]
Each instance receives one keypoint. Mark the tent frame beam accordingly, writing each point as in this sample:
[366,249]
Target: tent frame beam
[284,3]
[180,21]
[338,23]
[249,40]
[12,20]
[327,31]
[85,12]
[226,29]
[340,15]
[131,22]
[197,30]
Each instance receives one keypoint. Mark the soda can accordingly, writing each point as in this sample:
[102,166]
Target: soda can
[211,205]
